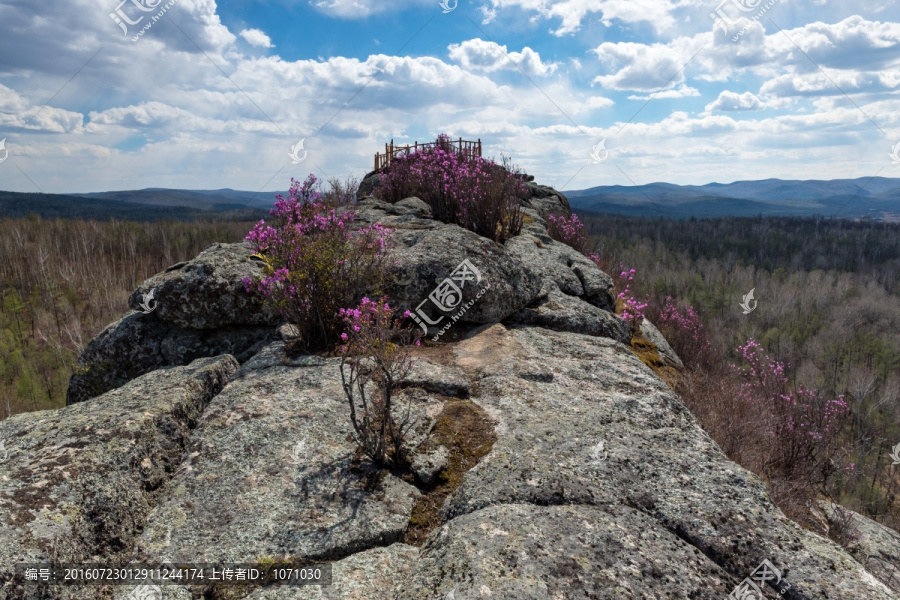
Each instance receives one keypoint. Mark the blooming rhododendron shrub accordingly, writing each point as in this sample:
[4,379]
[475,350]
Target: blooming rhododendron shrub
[632,309]
[803,423]
[568,230]
[684,330]
[375,350]
[314,263]
[472,192]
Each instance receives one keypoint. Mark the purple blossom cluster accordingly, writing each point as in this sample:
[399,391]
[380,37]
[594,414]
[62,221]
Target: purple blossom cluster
[632,309]
[804,421]
[315,261]
[472,192]
[685,331]
[568,230]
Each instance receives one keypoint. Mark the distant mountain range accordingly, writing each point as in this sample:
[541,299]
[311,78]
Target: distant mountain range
[877,198]
[151,204]
[873,197]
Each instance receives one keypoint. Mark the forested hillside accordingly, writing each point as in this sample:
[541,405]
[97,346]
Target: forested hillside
[828,307]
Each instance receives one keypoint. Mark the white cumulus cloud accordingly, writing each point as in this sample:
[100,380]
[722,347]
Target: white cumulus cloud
[481,55]
[256,37]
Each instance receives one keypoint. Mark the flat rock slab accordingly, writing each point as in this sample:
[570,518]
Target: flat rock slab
[527,552]
[268,474]
[85,476]
[439,379]
[604,430]
[371,575]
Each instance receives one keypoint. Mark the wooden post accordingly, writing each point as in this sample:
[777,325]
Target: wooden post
[479,147]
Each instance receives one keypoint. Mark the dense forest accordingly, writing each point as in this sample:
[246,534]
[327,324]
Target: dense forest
[827,293]
[828,307]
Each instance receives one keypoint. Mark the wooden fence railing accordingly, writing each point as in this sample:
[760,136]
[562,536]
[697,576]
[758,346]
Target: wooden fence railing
[463,147]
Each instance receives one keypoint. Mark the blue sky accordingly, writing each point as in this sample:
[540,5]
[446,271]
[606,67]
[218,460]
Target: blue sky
[215,95]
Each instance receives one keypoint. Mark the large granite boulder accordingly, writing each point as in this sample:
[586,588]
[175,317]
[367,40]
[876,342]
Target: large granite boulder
[562,312]
[207,292]
[425,253]
[573,273]
[368,185]
[198,308]
[138,343]
[546,200]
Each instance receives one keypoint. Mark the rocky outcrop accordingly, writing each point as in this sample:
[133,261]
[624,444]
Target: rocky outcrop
[208,291]
[562,312]
[546,200]
[663,348]
[599,479]
[138,343]
[79,483]
[585,478]
[425,252]
[199,308]
[876,547]
[272,460]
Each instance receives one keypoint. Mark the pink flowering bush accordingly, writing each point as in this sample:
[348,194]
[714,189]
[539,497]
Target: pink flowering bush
[632,309]
[804,425]
[568,230]
[474,193]
[375,354]
[683,329]
[314,263]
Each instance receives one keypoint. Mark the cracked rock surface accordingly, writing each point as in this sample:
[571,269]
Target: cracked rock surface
[600,483]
